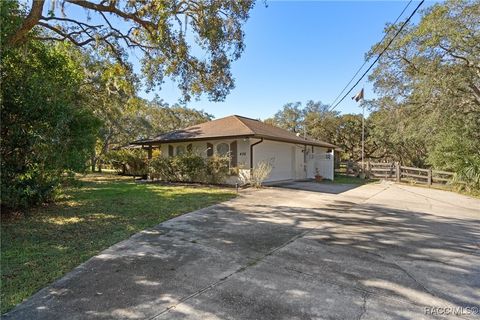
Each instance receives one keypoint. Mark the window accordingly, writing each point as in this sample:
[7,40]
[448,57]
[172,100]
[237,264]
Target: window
[209,149]
[223,149]
[180,150]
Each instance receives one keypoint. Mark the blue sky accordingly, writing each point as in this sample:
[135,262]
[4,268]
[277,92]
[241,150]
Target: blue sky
[299,51]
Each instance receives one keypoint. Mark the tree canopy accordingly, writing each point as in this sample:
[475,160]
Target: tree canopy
[46,128]
[64,106]
[429,86]
[193,42]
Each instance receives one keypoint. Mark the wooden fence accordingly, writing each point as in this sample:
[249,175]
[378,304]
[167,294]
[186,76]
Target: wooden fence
[399,173]
[396,172]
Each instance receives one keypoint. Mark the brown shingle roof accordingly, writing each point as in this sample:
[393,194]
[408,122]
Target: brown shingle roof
[233,127]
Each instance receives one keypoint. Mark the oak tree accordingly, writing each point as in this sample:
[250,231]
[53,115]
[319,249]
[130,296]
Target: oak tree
[191,41]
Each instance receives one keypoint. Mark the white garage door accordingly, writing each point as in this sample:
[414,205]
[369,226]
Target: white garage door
[280,156]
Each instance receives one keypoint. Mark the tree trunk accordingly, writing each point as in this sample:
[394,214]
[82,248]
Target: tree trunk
[93,163]
[30,21]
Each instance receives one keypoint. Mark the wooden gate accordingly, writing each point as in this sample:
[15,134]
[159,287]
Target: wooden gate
[394,171]
[380,170]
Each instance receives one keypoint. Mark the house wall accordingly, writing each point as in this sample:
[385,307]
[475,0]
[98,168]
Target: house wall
[200,147]
[287,159]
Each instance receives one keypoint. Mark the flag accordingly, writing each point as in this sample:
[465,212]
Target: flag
[358,96]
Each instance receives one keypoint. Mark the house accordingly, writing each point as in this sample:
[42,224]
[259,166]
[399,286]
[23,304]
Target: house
[247,142]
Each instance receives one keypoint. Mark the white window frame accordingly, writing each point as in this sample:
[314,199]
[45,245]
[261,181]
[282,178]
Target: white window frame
[220,143]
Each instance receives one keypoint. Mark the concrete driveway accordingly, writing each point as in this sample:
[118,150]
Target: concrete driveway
[378,251]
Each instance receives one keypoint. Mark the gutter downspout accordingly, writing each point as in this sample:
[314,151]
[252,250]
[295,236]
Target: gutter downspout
[251,153]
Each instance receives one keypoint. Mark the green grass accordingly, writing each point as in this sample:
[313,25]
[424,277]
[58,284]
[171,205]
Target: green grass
[43,244]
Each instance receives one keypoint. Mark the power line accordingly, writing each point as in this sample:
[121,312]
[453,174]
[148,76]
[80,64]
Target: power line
[381,53]
[365,62]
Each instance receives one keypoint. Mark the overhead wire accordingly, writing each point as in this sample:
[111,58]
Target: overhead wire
[366,61]
[378,57]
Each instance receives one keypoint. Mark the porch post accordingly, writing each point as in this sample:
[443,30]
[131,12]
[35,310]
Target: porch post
[149,152]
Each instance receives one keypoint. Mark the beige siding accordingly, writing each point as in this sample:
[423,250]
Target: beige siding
[287,159]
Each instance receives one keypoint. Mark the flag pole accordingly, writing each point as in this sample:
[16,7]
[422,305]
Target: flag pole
[360,97]
[363,137]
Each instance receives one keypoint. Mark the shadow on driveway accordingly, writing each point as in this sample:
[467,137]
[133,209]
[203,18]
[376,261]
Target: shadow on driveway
[277,254]
[331,188]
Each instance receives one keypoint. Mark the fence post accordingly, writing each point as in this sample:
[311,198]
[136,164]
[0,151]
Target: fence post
[429,177]
[398,172]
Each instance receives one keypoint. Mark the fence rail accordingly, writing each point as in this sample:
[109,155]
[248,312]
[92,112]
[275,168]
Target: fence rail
[395,171]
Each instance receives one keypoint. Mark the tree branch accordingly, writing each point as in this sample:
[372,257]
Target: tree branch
[70,36]
[456,56]
[79,23]
[30,21]
[149,26]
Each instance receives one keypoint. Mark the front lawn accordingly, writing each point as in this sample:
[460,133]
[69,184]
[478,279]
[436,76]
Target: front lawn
[45,243]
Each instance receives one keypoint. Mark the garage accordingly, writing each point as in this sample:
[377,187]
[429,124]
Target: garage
[279,155]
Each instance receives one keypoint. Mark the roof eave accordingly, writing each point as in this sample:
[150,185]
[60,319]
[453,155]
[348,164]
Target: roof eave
[297,141]
[267,137]
[158,142]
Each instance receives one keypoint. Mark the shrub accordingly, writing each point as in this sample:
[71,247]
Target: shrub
[30,188]
[468,176]
[457,150]
[162,168]
[190,168]
[217,169]
[47,126]
[129,161]
[187,167]
[259,173]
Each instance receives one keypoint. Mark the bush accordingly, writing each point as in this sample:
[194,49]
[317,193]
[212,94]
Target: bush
[217,169]
[190,168]
[29,188]
[129,161]
[163,169]
[259,173]
[457,151]
[47,127]
[468,177]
